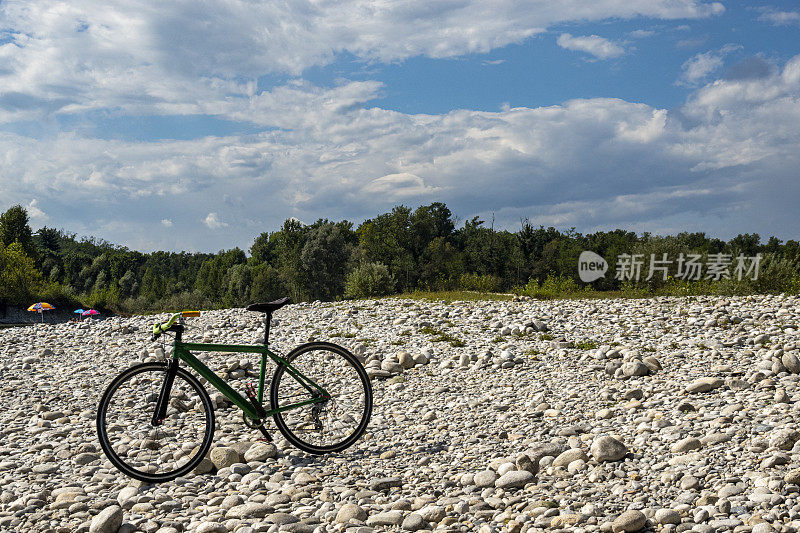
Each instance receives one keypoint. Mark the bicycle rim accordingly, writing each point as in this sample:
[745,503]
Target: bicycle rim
[328,426]
[137,447]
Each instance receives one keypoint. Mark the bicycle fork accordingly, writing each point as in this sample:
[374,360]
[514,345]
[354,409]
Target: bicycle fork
[163,397]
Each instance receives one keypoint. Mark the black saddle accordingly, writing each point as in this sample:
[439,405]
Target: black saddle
[269,307]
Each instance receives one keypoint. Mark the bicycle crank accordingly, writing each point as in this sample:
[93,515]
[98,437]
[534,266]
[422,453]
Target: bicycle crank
[256,424]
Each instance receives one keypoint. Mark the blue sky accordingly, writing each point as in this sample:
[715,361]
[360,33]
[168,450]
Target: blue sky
[198,125]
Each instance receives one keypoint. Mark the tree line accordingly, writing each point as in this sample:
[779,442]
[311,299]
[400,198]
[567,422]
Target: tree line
[403,250]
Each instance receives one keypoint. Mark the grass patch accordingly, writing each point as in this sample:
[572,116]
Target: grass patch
[498,339]
[531,352]
[398,342]
[441,336]
[546,337]
[452,296]
[585,345]
[345,335]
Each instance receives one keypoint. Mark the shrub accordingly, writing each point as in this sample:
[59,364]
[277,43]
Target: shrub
[19,279]
[480,282]
[775,275]
[552,287]
[369,279]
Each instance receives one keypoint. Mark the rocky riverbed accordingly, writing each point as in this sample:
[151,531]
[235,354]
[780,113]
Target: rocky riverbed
[663,414]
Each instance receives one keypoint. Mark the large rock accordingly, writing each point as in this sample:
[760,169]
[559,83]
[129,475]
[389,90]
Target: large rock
[516,479]
[791,362]
[667,516]
[405,359]
[629,521]
[635,368]
[350,511]
[570,455]
[784,439]
[525,463]
[432,513]
[485,478]
[605,448]
[261,451]
[108,521]
[223,457]
[389,518]
[548,449]
[704,385]
[413,522]
[686,445]
[385,483]
[249,510]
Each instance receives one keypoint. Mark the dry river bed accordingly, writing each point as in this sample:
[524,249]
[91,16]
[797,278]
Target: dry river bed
[666,414]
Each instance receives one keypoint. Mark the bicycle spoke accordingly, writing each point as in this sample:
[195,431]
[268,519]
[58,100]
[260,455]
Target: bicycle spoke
[322,425]
[141,449]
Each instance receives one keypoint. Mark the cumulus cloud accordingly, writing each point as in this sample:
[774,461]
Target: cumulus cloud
[780,18]
[213,222]
[588,162]
[599,47]
[192,57]
[401,186]
[36,214]
[699,67]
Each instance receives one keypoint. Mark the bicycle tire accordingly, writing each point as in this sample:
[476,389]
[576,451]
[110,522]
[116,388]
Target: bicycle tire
[310,359]
[115,411]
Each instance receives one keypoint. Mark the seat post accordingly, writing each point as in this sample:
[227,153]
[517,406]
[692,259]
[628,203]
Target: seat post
[267,320]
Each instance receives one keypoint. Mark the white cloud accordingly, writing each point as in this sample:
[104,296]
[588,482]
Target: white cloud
[194,57]
[399,186]
[213,222]
[641,34]
[587,162]
[599,47]
[36,214]
[167,223]
[699,67]
[780,18]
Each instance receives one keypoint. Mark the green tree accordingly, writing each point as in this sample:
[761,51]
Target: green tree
[289,243]
[387,239]
[14,228]
[211,278]
[19,279]
[265,248]
[324,259]
[237,282]
[428,223]
[128,284]
[441,266]
[267,284]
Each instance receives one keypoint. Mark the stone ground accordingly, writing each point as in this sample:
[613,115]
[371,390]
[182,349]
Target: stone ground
[665,414]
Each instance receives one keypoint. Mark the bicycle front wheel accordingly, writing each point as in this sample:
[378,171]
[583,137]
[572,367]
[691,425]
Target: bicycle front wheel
[148,452]
[331,425]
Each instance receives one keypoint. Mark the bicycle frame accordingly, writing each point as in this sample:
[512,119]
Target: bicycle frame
[183,351]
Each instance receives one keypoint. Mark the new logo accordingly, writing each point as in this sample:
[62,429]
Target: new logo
[591,266]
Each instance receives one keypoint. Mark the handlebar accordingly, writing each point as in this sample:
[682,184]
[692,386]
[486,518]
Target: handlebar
[162,327]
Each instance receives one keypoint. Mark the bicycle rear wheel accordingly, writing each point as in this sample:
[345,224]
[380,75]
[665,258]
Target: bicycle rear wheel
[331,425]
[147,452]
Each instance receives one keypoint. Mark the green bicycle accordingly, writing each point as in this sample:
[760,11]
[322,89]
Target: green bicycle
[155,420]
